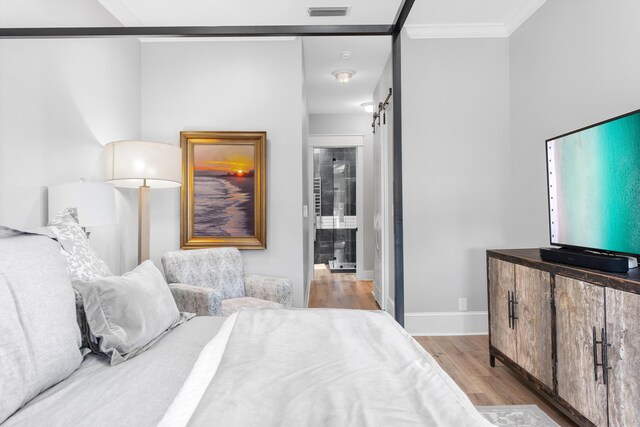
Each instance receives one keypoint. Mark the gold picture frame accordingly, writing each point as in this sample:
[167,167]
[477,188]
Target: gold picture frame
[224,190]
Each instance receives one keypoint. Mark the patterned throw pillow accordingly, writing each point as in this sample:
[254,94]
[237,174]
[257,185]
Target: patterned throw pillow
[82,261]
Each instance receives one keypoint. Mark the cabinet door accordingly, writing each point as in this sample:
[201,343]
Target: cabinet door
[501,281]
[533,327]
[623,333]
[580,307]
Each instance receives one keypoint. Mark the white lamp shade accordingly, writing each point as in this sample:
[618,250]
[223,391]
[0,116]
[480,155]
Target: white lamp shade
[95,201]
[129,163]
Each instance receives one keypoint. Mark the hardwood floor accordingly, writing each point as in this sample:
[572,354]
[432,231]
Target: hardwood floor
[466,360]
[340,290]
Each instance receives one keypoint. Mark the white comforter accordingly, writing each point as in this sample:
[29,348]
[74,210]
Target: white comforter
[321,367]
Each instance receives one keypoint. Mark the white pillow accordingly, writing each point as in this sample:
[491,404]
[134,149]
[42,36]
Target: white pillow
[128,314]
[39,336]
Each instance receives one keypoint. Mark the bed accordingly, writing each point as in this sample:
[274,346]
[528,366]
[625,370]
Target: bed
[304,367]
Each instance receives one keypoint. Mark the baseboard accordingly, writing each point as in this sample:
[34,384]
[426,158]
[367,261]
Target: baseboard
[446,323]
[365,275]
[391,307]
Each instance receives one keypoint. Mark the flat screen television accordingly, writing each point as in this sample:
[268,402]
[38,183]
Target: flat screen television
[593,177]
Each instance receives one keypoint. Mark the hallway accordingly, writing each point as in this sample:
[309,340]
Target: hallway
[340,290]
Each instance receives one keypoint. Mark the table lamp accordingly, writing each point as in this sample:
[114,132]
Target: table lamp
[143,165]
[94,201]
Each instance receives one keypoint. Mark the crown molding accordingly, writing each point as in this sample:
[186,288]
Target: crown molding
[121,13]
[476,30]
[455,31]
[526,11]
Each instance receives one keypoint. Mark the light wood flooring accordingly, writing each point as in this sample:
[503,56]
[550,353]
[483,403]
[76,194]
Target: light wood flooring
[464,358]
[340,290]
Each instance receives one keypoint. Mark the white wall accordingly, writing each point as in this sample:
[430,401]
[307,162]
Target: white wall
[232,85]
[455,173]
[354,124]
[60,102]
[573,63]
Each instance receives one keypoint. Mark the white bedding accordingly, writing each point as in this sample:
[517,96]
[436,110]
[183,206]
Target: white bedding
[321,367]
[136,393]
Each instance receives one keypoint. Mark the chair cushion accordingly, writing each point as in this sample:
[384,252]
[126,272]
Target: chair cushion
[230,306]
[39,336]
[218,268]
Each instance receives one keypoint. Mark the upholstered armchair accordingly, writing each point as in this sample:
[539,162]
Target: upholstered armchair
[211,282]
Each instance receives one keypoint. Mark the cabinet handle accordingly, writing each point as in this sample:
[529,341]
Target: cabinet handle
[509,308]
[605,357]
[514,301]
[595,355]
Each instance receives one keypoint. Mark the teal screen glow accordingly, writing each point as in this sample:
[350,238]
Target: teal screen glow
[594,187]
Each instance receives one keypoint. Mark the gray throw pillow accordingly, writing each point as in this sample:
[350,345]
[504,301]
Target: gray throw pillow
[39,337]
[128,314]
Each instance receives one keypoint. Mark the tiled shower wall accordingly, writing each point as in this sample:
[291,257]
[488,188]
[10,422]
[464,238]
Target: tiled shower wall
[323,168]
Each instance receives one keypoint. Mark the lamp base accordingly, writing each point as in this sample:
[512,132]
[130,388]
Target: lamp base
[144,244]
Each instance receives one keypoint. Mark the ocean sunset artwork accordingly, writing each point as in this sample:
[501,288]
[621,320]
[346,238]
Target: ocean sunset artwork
[224,190]
[224,201]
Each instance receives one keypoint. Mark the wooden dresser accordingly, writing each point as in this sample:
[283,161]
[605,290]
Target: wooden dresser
[573,334]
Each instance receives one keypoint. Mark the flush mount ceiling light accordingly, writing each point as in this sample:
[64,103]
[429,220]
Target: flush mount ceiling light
[367,106]
[344,76]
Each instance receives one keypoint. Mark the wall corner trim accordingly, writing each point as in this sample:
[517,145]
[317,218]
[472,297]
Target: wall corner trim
[447,323]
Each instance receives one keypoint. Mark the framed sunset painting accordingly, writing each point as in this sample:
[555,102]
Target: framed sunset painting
[224,190]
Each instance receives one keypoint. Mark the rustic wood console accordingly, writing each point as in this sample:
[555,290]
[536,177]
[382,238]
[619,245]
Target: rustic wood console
[572,333]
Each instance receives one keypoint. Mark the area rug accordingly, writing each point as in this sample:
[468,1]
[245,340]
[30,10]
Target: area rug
[516,416]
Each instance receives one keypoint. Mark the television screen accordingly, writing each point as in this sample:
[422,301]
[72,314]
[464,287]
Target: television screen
[594,186]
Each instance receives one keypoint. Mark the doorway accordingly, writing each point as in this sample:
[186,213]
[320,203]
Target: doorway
[335,211]
[336,192]
[336,223]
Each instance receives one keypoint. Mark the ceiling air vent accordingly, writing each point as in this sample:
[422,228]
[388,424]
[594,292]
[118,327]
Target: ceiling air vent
[328,11]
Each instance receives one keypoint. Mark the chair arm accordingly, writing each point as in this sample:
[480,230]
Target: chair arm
[269,288]
[197,299]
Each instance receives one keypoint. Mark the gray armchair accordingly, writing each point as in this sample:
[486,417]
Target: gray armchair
[211,282]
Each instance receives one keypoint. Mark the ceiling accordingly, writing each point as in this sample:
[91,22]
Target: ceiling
[36,13]
[428,19]
[253,12]
[323,56]
[61,13]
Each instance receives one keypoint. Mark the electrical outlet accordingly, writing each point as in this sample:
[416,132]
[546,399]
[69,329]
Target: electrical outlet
[305,211]
[462,304]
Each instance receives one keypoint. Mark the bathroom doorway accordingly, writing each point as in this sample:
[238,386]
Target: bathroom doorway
[334,191]
[337,197]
